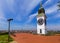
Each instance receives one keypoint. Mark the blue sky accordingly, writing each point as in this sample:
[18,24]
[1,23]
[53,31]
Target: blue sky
[24,13]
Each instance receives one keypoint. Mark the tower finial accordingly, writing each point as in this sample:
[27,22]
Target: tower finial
[41,9]
[41,4]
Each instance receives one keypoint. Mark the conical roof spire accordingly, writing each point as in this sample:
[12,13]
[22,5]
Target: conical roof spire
[41,5]
[41,9]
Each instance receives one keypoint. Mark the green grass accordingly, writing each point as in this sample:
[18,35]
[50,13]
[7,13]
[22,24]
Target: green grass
[4,38]
[51,33]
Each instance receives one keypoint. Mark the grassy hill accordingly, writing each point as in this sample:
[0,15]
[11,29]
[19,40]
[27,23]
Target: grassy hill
[4,38]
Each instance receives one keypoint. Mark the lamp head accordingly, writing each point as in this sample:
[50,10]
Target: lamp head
[10,19]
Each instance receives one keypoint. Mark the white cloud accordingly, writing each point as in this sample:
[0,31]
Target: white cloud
[26,7]
[23,7]
[57,15]
[1,15]
[3,22]
[53,27]
[31,17]
[52,9]
[32,5]
[1,12]
[47,2]
[10,5]
[23,27]
[29,27]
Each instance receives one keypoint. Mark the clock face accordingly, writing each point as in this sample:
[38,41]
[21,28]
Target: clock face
[40,21]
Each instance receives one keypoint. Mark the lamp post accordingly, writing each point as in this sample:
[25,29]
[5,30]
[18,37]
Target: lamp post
[9,20]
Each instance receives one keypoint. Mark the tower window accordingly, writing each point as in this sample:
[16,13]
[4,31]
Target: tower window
[40,30]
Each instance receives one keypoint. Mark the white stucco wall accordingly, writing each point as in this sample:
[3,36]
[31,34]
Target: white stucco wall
[42,27]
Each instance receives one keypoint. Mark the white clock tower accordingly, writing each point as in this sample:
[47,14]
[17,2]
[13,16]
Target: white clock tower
[41,21]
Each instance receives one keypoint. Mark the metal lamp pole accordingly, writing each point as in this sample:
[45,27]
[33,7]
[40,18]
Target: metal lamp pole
[9,20]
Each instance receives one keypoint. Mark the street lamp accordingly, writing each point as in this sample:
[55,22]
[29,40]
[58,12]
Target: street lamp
[9,20]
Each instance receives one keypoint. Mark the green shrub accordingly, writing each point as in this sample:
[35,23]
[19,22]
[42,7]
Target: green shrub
[50,33]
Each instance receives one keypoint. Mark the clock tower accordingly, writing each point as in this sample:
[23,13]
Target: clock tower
[41,21]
